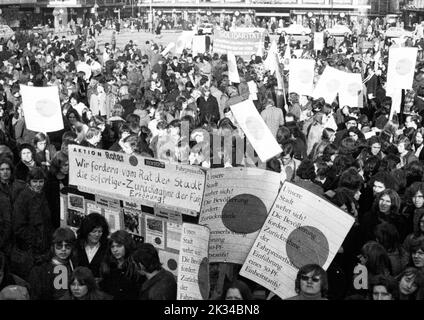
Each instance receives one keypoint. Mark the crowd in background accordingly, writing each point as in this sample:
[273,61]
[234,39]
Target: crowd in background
[134,100]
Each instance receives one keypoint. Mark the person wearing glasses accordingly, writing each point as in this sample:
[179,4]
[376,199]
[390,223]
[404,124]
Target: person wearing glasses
[92,242]
[49,281]
[311,283]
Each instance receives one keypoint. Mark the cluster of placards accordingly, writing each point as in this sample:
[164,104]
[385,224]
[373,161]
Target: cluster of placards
[160,226]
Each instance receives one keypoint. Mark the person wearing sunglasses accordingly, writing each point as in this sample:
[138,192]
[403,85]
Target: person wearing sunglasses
[311,283]
[50,279]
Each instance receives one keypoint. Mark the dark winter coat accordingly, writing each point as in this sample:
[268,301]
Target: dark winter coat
[161,287]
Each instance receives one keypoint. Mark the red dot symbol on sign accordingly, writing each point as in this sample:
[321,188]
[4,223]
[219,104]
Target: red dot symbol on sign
[255,128]
[244,213]
[306,245]
[46,107]
[203,278]
[404,66]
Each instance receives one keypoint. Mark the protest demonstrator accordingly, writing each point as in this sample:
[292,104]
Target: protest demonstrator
[242,165]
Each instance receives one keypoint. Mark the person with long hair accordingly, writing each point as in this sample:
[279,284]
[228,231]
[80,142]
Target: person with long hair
[91,247]
[237,290]
[118,271]
[418,143]
[411,284]
[328,136]
[375,258]
[418,233]
[49,280]
[385,208]
[387,235]
[44,151]
[83,286]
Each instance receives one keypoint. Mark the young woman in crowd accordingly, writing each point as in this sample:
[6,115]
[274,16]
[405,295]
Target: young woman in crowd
[119,273]
[91,247]
[83,286]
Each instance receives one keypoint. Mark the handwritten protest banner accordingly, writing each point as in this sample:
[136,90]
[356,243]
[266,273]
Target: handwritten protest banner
[301,228]
[235,206]
[400,73]
[42,110]
[133,178]
[328,84]
[350,89]
[256,130]
[193,270]
[301,76]
[242,44]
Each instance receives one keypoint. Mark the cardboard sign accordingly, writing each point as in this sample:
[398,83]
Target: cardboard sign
[328,85]
[271,62]
[318,41]
[193,266]
[301,76]
[234,208]
[350,89]
[242,44]
[198,45]
[301,228]
[42,110]
[82,66]
[400,74]
[256,130]
[138,179]
[184,41]
[233,74]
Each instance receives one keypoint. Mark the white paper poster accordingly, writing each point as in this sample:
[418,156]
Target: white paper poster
[184,41]
[82,66]
[301,76]
[193,266]
[328,85]
[400,74]
[301,228]
[351,86]
[256,130]
[42,110]
[168,48]
[234,208]
[270,62]
[318,41]
[233,74]
[199,45]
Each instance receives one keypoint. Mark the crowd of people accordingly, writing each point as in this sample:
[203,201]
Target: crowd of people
[136,101]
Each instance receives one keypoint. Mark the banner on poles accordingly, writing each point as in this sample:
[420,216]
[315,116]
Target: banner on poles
[242,44]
